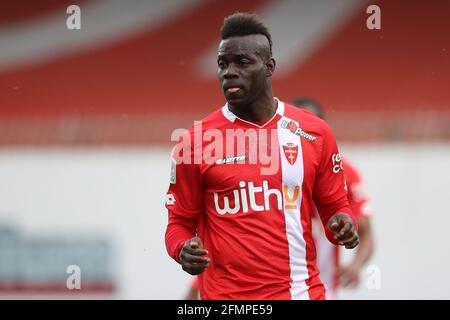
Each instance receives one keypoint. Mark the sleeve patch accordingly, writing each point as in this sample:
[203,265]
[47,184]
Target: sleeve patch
[173,172]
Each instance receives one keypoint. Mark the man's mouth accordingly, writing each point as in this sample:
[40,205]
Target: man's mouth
[233,90]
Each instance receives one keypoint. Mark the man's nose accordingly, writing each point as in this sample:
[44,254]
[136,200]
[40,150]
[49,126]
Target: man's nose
[230,71]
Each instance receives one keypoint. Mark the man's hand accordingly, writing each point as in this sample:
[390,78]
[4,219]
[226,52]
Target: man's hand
[192,257]
[344,230]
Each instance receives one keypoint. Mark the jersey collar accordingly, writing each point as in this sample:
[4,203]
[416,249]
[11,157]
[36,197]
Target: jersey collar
[232,117]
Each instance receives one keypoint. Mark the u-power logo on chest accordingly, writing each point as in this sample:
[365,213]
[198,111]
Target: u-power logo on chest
[295,129]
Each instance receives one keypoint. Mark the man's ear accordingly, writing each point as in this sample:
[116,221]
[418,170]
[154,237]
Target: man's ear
[270,67]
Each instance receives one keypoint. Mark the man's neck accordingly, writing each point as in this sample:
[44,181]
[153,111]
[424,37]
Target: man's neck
[259,111]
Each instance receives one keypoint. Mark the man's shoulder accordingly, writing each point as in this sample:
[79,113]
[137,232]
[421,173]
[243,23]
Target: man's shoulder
[189,140]
[214,120]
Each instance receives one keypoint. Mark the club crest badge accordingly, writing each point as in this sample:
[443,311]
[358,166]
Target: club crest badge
[291,152]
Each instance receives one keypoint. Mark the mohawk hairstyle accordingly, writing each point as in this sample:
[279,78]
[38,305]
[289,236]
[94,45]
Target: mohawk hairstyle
[243,24]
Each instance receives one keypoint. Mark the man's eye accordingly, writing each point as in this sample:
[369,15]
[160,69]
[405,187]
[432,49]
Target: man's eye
[244,62]
[221,65]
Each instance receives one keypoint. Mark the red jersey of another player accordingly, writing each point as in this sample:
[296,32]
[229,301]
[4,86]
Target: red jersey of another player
[257,227]
[357,196]
[328,254]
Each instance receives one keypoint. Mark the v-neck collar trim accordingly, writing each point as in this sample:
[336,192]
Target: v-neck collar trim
[232,117]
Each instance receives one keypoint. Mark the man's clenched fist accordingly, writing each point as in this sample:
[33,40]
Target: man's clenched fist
[193,258]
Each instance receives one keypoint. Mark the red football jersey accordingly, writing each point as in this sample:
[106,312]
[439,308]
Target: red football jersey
[256,224]
[357,196]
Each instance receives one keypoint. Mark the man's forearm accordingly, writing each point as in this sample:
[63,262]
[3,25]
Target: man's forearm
[178,231]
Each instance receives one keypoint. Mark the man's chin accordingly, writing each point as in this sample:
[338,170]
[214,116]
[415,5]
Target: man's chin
[235,101]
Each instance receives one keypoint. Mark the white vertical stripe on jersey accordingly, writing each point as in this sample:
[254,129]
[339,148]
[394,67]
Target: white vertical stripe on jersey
[292,176]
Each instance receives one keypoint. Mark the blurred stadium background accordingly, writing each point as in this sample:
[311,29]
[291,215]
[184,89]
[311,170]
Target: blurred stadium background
[86,118]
